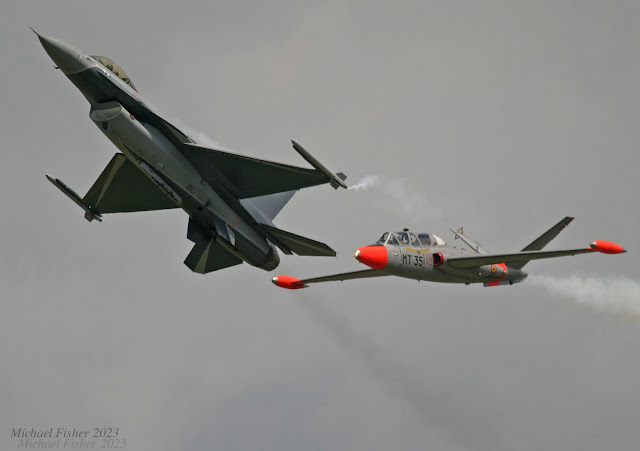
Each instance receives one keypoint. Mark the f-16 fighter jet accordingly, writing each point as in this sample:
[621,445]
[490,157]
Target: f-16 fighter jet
[231,199]
[425,256]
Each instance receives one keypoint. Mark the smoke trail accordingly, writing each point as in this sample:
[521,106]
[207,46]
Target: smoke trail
[368,181]
[435,407]
[399,196]
[618,295]
[199,137]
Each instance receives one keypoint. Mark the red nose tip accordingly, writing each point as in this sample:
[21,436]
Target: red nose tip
[288,282]
[607,247]
[373,256]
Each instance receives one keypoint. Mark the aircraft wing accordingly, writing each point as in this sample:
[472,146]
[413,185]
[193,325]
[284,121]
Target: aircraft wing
[252,177]
[472,261]
[121,188]
[293,283]
[249,177]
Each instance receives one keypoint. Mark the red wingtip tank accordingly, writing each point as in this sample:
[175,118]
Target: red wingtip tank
[607,247]
[288,282]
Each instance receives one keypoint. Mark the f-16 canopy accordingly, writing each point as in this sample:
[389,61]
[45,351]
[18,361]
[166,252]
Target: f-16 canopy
[115,68]
[406,238]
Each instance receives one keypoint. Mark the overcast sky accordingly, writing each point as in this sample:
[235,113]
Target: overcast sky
[502,117]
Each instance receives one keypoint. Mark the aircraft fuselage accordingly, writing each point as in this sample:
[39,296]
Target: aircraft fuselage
[426,263]
[152,145]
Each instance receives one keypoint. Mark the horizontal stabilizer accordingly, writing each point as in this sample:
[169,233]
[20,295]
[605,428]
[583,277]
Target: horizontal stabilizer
[209,258]
[250,177]
[123,188]
[289,242]
[544,239]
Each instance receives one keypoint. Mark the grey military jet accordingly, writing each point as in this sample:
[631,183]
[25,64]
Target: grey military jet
[427,257]
[231,199]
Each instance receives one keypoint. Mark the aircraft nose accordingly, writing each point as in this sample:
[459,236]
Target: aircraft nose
[67,58]
[373,256]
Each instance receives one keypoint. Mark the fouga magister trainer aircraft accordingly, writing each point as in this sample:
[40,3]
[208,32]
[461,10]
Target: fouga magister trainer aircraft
[427,257]
[231,199]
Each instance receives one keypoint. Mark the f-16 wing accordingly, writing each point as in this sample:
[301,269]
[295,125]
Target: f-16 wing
[472,261]
[252,177]
[121,188]
[292,283]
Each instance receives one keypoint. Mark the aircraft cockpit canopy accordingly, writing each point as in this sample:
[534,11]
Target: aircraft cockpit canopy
[407,238]
[115,68]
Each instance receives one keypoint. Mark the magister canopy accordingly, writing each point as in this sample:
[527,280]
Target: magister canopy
[407,238]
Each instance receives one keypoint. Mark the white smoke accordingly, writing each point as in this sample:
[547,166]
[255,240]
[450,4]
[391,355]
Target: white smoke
[199,137]
[368,181]
[398,195]
[618,295]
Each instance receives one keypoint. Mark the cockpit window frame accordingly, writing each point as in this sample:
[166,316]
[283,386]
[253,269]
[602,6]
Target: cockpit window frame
[403,238]
[115,69]
[392,236]
[425,239]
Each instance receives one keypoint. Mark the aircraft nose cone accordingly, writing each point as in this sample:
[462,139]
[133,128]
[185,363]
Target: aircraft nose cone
[67,58]
[375,257]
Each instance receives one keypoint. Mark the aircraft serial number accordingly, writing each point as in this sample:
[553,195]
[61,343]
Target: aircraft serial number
[413,260]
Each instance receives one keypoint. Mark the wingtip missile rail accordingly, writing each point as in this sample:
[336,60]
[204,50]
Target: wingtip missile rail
[90,215]
[337,180]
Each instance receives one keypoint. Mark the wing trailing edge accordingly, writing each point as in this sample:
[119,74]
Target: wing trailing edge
[292,283]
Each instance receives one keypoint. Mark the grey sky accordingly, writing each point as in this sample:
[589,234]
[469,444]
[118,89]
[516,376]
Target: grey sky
[502,117]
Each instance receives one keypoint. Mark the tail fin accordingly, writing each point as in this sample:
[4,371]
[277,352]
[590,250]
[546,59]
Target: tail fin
[544,239]
[212,257]
[208,254]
